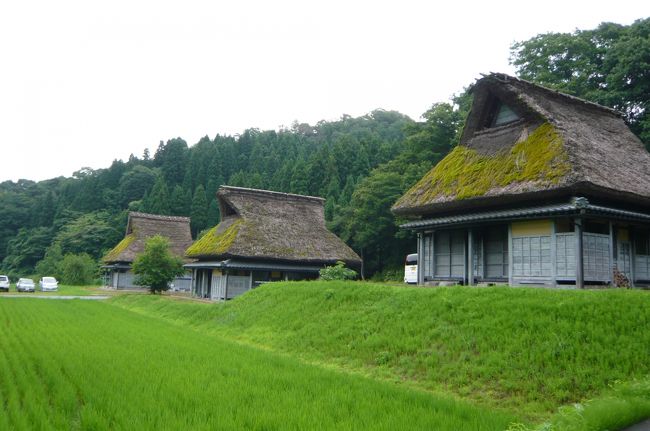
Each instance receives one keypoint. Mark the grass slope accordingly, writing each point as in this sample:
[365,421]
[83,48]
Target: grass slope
[526,350]
[89,365]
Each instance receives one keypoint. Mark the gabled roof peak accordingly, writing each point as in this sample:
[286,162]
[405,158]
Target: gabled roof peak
[275,195]
[507,79]
[136,214]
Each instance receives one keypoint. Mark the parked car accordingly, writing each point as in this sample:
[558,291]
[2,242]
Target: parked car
[48,284]
[4,283]
[25,285]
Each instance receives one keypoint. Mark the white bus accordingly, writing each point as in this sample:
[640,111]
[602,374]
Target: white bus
[411,269]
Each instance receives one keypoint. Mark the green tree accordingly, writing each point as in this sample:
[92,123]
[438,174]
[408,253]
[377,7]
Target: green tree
[213,213]
[157,202]
[27,248]
[50,265]
[180,202]
[78,269]
[172,158]
[134,184]
[91,233]
[199,211]
[608,65]
[156,267]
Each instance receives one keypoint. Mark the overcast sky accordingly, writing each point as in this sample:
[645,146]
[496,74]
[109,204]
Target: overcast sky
[83,83]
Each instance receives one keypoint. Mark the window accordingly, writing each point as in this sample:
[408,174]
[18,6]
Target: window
[641,245]
[504,115]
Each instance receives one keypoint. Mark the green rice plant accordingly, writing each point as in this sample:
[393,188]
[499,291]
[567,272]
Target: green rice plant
[91,365]
[526,350]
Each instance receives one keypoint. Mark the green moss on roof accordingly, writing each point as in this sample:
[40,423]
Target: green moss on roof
[464,173]
[113,255]
[214,244]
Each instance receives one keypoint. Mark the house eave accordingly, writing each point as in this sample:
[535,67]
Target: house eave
[578,206]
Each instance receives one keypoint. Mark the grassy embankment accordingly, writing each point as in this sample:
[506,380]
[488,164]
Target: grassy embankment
[527,351]
[90,365]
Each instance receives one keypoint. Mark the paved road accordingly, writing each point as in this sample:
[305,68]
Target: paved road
[89,297]
[643,426]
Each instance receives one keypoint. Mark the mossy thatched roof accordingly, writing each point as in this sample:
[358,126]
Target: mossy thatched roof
[261,224]
[559,145]
[141,226]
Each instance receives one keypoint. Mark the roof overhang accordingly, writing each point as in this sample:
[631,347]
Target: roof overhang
[253,266]
[578,206]
[116,266]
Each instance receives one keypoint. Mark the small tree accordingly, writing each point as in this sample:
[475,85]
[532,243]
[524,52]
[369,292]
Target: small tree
[78,269]
[337,272]
[156,267]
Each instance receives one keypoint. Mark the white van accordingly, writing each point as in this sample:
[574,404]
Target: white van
[411,269]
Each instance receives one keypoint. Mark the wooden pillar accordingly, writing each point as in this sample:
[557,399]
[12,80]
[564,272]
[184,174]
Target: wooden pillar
[632,256]
[421,256]
[553,254]
[580,282]
[611,253]
[225,286]
[510,282]
[470,257]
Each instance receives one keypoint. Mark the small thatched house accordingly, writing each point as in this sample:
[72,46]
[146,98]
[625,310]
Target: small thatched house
[140,226]
[543,188]
[263,236]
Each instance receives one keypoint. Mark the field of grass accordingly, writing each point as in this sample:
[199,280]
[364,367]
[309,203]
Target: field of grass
[528,351]
[93,366]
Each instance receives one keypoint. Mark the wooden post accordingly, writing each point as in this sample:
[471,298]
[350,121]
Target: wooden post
[580,282]
[419,247]
[553,254]
[470,257]
[632,256]
[611,253]
[510,254]
[225,286]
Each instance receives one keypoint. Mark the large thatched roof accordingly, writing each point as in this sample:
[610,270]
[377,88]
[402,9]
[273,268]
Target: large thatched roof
[142,226]
[554,145]
[260,224]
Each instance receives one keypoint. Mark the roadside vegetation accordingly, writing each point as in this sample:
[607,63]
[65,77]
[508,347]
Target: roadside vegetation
[89,365]
[526,350]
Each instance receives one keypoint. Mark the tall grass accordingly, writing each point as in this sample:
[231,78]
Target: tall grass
[90,365]
[526,350]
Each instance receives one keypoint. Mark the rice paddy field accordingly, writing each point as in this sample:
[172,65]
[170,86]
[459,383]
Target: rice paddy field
[329,355]
[90,365]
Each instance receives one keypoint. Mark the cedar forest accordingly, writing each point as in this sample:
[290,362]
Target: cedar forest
[360,165]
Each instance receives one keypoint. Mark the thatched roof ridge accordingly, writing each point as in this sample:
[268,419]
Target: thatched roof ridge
[262,224]
[587,149]
[141,226]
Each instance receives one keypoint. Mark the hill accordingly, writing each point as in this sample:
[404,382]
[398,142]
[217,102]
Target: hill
[528,351]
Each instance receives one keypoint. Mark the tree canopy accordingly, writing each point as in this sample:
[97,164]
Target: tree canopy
[156,266]
[609,65]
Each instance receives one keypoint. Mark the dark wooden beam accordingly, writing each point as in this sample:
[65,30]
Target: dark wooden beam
[580,282]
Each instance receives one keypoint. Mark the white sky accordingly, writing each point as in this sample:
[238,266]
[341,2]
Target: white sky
[83,83]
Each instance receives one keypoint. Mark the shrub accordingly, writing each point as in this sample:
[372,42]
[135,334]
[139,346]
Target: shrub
[78,269]
[337,272]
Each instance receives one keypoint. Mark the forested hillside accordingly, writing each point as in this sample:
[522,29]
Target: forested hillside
[87,212]
[360,165]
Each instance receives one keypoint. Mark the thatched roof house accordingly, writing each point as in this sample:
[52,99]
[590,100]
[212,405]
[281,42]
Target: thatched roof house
[549,145]
[139,228]
[543,188]
[268,235]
